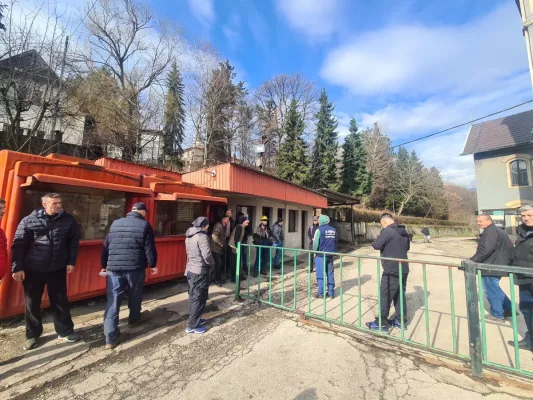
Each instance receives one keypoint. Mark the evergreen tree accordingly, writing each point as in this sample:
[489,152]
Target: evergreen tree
[174,118]
[355,178]
[323,172]
[292,159]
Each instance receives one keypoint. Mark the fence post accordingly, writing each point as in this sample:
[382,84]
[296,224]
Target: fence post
[238,273]
[474,328]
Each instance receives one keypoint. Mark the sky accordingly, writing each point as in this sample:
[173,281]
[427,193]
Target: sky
[414,66]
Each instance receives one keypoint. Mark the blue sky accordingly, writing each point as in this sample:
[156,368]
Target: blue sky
[415,66]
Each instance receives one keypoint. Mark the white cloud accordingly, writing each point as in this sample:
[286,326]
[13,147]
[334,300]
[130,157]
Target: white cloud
[231,31]
[416,59]
[443,152]
[203,11]
[317,19]
[404,120]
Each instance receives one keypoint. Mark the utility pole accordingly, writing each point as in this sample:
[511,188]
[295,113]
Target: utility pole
[56,108]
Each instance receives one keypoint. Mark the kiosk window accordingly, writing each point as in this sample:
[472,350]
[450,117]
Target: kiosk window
[174,218]
[93,212]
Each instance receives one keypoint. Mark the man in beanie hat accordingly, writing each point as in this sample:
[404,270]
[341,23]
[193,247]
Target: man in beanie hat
[262,236]
[239,236]
[129,248]
[200,264]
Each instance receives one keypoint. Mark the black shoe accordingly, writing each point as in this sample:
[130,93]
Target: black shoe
[277,267]
[254,274]
[510,314]
[243,278]
[264,272]
[72,338]
[220,283]
[31,344]
[523,344]
[232,280]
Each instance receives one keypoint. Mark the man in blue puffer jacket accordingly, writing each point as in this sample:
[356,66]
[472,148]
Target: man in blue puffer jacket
[129,248]
[325,240]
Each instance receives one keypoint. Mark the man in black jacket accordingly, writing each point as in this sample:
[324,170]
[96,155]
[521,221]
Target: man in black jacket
[45,248]
[523,257]
[494,248]
[392,242]
[129,248]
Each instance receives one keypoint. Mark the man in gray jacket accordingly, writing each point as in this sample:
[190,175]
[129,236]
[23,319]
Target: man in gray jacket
[200,264]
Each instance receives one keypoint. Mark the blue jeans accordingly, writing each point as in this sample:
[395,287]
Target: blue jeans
[500,305]
[264,253]
[115,286]
[525,294]
[277,257]
[319,262]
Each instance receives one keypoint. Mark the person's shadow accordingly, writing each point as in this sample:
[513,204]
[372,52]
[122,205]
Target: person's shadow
[308,394]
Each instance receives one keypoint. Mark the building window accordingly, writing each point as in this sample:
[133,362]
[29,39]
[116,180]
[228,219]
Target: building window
[93,212]
[519,174]
[174,218]
[293,221]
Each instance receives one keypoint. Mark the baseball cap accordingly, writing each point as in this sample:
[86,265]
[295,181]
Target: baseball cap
[139,207]
[315,218]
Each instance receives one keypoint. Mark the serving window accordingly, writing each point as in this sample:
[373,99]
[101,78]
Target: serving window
[93,209]
[173,218]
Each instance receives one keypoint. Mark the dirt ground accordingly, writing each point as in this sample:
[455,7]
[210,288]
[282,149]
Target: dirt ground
[254,351]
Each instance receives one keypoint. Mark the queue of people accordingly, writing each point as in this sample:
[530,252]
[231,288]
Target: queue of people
[45,250]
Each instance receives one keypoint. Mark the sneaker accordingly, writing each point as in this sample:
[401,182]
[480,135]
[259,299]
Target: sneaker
[111,346]
[374,326]
[492,318]
[72,338]
[31,344]
[523,344]
[199,330]
[395,323]
[202,322]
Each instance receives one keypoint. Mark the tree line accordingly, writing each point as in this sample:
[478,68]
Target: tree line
[143,92]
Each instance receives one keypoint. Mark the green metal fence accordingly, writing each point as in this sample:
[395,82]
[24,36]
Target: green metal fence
[293,288]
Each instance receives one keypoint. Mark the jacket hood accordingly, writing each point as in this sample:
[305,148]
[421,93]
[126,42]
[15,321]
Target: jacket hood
[193,230]
[401,229]
[323,220]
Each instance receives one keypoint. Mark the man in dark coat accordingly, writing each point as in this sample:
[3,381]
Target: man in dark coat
[278,236]
[45,249]
[230,226]
[494,247]
[392,242]
[3,244]
[129,248]
[239,236]
[523,257]
[427,235]
[218,248]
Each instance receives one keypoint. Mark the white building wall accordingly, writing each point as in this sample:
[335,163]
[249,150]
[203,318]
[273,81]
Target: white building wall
[292,239]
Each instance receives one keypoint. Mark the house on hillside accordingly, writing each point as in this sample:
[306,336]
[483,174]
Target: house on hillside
[29,86]
[503,157]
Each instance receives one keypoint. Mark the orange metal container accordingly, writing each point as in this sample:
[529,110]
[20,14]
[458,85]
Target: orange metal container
[19,172]
[236,178]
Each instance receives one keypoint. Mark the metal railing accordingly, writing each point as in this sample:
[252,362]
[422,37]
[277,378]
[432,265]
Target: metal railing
[292,288]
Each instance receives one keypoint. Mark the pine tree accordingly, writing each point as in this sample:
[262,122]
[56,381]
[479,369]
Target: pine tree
[174,117]
[323,172]
[355,178]
[292,159]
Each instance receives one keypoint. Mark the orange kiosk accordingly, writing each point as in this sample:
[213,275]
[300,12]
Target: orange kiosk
[96,193]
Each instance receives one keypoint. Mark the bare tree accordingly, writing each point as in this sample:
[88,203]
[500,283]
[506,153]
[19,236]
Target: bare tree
[409,179]
[136,49]
[35,70]
[274,97]
[379,161]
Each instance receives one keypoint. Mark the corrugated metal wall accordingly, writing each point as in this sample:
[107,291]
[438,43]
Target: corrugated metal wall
[136,168]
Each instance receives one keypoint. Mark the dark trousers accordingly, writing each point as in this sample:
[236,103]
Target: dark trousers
[56,282]
[227,259]
[525,294]
[116,286]
[219,258]
[390,293]
[262,253]
[198,293]
[244,263]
